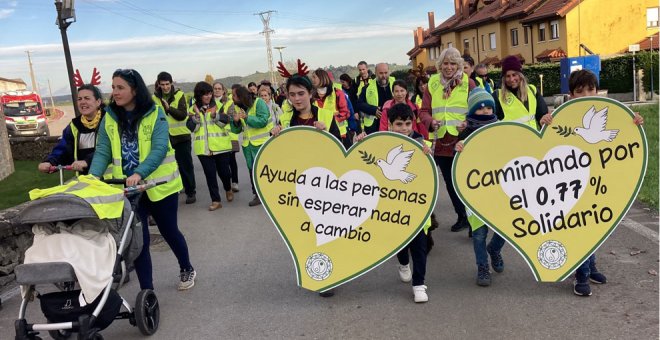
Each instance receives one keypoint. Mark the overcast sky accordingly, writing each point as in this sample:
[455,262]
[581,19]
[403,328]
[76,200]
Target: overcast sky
[197,37]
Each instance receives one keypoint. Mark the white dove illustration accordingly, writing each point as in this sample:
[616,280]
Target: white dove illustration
[394,167]
[593,127]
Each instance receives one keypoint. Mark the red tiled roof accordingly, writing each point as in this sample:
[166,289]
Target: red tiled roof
[415,51]
[430,41]
[520,7]
[447,24]
[490,12]
[551,8]
[491,61]
[552,54]
[645,44]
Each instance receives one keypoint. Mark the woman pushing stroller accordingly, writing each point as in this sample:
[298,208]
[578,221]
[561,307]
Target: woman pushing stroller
[133,139]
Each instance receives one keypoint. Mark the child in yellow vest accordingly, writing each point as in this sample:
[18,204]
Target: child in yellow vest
[481,112]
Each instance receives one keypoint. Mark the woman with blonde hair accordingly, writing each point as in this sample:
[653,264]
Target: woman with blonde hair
[444,107]
[517,100]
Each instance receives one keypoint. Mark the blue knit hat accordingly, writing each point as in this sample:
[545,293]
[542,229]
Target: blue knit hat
[479,98]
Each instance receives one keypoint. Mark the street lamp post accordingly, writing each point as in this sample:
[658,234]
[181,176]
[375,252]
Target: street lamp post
[280,48]
[65,16]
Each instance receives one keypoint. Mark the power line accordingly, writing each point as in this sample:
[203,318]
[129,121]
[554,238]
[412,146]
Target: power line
[140,21]
[149,13]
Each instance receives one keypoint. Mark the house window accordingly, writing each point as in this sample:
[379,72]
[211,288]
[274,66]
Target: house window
[652,17]
[514,37]
[483,45]
[554,29]
[541,32]
[450,45]
[493,43]
[474,46]
[526,35]
[466,45]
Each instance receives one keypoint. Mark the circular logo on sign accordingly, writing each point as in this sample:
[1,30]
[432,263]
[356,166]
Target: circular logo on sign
[552,254]
[318,266]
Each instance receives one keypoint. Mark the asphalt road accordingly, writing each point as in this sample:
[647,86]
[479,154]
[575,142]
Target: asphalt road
[246,288]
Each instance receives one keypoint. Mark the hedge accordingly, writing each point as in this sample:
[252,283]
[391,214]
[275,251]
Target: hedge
[615,74]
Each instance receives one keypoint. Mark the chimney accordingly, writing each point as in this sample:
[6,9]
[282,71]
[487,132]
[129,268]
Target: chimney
[419,36]
[431,16]
[458,5]
[504,3]
[465,9]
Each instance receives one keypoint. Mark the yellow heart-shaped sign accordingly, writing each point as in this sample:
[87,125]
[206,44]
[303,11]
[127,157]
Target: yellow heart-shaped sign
[343,213]
[555,195]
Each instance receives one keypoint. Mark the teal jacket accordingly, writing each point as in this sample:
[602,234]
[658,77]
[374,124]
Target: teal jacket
[159,145]
[256,122]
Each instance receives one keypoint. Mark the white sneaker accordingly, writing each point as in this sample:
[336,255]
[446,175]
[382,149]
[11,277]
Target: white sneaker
[404,273]
[187,279]
[420,294]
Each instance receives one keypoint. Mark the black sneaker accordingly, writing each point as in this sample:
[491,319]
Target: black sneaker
[597,277]
[483,275]
[460,224]
[581,287]
[255,201]
[496,260]
[190,199]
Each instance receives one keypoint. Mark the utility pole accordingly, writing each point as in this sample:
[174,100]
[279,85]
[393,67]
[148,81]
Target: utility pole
[265,19]
[50,91]
[34,82]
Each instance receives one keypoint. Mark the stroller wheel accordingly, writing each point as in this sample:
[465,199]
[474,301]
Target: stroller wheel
[147,312]
[59,334]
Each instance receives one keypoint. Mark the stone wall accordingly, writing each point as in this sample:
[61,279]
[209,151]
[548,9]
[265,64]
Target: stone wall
[14,240]
[32,149]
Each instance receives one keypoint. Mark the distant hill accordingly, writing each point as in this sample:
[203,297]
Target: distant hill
[258,77]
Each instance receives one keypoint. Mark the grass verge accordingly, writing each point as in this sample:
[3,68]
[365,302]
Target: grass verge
[649,191]
[14,189]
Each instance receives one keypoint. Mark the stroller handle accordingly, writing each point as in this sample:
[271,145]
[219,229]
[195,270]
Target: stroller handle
[134,189]
[54,168]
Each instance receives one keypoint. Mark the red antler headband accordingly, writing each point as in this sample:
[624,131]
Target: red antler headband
[302,69]
[96,78]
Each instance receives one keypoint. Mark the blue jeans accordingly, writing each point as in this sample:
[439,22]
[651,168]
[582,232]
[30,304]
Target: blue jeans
[417,249]
[479,242]
[164,213]
[585,269]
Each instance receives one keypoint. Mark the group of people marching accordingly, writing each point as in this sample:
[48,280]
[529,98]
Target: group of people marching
[141,136]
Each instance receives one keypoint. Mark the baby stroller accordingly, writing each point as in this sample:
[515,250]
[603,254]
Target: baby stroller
[62,309]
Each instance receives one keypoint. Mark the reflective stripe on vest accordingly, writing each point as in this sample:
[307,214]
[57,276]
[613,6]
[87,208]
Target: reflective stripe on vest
[176,127]
[256,136]
[451,111]
[371,96]
[167,169]
[330,103]
[210,137]
[107,202]
[514,110]
[474,220]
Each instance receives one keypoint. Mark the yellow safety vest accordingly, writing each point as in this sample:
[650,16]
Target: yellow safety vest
[225,107]
[287,113]
[449,112]
[209,137]
[480,83]
[107,201]
[371,96]
[256,136]
[167,171]
[330,103]
[176,127]
[514,110]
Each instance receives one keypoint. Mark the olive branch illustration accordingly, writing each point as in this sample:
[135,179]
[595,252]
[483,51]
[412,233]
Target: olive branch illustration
[563,131]
[367,157]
